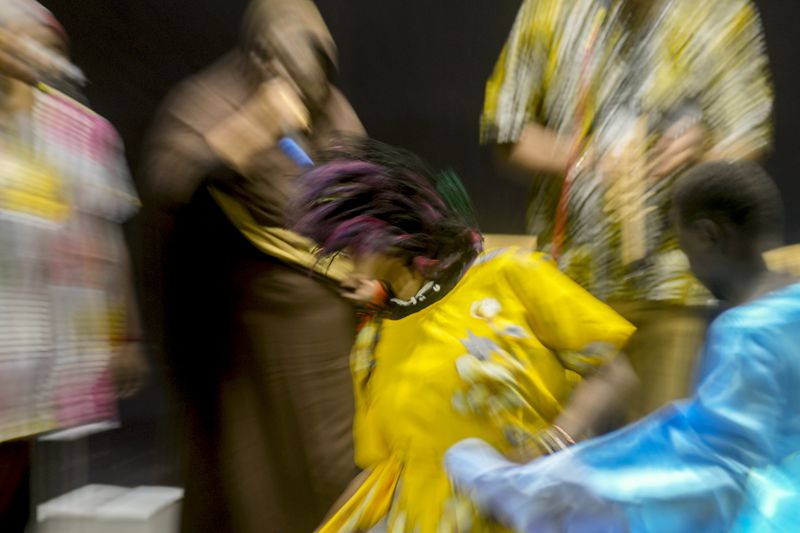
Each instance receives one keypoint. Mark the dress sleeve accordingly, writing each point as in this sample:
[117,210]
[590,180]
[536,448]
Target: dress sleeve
[737,100]
[514,91]
[110,152]
[738,404]
[582,330]
[177,159]
[682,469]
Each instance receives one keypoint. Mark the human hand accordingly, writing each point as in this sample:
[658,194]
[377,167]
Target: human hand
[27,60]
[128,368]
[682,144]
[266,116]
[279,100]
[11,66]
[548,494]
[545,442]
[363,291]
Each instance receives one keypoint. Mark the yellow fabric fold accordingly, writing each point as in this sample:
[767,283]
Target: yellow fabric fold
[280,243]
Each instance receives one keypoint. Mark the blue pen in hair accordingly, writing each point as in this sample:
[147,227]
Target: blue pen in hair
[293,151]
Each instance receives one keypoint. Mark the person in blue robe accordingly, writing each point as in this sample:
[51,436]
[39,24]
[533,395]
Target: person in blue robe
[725,459]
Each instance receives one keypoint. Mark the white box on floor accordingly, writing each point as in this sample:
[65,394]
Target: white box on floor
[72,512]
[142,510]
[108,509]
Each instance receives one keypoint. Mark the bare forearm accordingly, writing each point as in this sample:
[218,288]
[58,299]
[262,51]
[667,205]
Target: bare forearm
[597,397]
[743,149]
[539,149]
[12,67]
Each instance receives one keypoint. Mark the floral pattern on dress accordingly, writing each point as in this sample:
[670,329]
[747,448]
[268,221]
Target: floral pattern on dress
[588,360]
[491,372]
[458,515]
[362,356]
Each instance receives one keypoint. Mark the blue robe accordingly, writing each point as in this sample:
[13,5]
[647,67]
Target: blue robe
[723,459]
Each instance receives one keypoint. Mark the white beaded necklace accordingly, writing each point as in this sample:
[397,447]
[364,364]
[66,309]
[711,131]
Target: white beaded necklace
[421,295]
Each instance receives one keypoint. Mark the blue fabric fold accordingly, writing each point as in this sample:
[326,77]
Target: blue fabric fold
[718,460]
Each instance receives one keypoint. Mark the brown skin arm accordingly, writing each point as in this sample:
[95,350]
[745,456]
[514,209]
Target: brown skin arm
[538,149]
[597,398]
[274,108]
[678,147]
[744,149]
[11,67]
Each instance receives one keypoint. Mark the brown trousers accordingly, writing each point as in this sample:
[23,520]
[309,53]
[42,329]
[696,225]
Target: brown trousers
[260,356]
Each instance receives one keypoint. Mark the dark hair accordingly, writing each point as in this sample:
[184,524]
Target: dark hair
[740,193]
[368,196]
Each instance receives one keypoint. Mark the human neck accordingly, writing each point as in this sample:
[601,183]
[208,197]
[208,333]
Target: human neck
[750,279]
[406,283]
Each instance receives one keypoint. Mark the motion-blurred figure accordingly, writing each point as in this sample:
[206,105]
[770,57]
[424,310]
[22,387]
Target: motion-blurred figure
[68,318]
[689,466]
[258,343]
[471,343]
[607,101]
[34,46]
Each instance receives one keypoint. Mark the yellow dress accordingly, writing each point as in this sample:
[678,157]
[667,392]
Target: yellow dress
[495,358]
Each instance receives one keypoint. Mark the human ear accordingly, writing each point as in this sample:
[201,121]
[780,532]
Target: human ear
[709,233]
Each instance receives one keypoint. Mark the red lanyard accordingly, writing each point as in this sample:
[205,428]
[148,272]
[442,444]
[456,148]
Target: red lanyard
[576,149]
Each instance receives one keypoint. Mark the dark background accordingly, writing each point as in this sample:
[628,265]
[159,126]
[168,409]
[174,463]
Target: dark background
[414,70]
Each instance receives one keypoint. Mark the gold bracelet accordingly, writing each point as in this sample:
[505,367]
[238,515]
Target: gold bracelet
[564,434]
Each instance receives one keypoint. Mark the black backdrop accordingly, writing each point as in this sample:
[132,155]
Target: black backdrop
[414,71]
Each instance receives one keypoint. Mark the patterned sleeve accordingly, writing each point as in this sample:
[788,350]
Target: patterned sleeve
[738,99]
[582,330]
[123,202]
[515,88]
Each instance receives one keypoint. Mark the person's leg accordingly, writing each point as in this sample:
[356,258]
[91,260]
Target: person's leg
[15,489]
[204,506]
[200,248]
[287,402]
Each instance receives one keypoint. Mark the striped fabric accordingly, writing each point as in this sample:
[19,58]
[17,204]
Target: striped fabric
[64,190]
[690,59]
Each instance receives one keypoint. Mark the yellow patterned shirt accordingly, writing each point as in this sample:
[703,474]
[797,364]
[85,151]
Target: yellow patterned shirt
[580,68]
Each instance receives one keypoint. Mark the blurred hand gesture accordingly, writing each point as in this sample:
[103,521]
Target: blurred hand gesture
[273,110]
[128,369]
[362,290]
[11,63]
[681,145]
[24,59]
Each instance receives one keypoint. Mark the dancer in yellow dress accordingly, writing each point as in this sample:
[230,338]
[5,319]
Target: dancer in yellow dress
[474,344]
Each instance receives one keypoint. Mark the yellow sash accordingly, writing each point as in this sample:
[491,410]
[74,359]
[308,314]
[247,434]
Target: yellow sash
[280,243]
